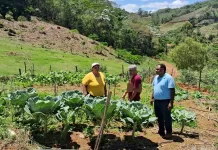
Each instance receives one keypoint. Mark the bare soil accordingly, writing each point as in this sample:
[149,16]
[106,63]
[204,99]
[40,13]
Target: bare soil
[46,35]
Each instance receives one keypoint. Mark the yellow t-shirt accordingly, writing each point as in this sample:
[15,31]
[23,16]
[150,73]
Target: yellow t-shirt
[95,85]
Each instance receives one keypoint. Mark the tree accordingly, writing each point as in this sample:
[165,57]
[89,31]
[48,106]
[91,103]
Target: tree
[190,54]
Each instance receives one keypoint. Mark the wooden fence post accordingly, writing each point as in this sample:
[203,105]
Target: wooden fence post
[50,68]
[33,69]
[20,72]
[25,67]
[123,71]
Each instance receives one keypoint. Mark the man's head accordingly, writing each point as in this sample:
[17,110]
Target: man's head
[95,67]
[132,70]
[161,69]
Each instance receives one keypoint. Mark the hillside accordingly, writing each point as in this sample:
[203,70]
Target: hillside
[199,15]
[100,20]
[45,44]
[49,36]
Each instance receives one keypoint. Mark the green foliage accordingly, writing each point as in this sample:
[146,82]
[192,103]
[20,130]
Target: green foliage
[94,108]
[19,98]
[168,14]
[136,114]
[209,78]
[197,95]
[74,31]
[48,105]
[184,117]
[70,105]
[188,77]
[181,94]
[128,57]
[99,20]
[190,54]
[94,37]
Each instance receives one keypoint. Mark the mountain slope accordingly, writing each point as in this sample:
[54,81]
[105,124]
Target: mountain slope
[49,36]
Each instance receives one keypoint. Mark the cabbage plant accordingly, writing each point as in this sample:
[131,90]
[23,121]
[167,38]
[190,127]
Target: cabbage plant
[183,117]
[94,108]
[41,109]
[66,116]
[20,97]
[136,114]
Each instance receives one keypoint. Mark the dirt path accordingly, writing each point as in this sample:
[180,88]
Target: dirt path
[171,69]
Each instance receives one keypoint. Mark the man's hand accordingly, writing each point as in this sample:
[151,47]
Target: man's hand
[124,96]
[170,106]
[152,102]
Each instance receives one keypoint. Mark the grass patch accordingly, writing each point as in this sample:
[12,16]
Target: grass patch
[13,55]
[171,26]
[211,29]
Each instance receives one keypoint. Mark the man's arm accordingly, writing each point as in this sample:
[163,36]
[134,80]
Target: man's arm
[134,92]
[152,98]
[171,86]
[172,95]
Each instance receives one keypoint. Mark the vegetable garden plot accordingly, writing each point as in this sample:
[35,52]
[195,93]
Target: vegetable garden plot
[66,110]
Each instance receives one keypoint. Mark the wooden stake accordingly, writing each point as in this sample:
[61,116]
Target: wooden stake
[98,140]
[50,68]
[20,72]
[25,67]
[123,71]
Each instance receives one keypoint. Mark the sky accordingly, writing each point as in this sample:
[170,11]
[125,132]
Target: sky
[152,5]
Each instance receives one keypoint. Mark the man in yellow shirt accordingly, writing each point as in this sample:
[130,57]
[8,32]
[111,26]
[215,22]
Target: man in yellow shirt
[94,82]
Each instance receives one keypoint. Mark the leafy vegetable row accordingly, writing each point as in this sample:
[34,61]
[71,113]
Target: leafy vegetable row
[72,104]
[60,78]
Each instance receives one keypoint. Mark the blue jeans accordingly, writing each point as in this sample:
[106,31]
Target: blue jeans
[164,116]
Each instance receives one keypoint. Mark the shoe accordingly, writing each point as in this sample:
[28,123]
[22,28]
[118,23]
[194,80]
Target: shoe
[168,136]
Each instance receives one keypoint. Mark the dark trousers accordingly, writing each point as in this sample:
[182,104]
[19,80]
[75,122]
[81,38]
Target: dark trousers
[164,116]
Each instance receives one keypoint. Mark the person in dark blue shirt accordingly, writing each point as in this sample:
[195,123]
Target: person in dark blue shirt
[163,98]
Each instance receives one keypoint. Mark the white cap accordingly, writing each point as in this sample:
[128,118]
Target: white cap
[95,64]
[132,67]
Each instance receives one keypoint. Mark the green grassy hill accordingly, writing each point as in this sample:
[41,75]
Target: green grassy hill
[13,54]
[13,58]
[201,15]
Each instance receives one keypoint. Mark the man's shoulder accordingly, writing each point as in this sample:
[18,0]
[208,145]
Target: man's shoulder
[155,77]
[168,76]
[137,77]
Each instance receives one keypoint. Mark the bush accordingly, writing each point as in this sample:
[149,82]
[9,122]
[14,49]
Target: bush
[74,31]
[22,18]
[128,57]
[189,77]
[93,36]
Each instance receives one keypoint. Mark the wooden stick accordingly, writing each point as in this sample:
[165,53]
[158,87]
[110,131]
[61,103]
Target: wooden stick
[199,109]
[98,140]
[25,67]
